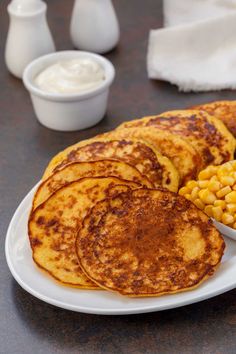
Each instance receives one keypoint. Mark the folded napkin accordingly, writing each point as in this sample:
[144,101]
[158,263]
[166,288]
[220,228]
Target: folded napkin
[196,56]
[178,12]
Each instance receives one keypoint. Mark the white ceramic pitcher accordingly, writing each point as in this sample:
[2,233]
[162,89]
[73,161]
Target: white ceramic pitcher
[94,26]
[29,36]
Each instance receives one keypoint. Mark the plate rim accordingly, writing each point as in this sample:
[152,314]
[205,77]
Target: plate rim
[96,310]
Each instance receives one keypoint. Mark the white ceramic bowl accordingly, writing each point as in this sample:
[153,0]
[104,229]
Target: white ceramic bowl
[68,112]
[225,230]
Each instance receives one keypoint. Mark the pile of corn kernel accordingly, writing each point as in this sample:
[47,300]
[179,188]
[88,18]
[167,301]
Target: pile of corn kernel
[215,192]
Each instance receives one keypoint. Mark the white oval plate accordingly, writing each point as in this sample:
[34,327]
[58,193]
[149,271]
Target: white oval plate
[30,278]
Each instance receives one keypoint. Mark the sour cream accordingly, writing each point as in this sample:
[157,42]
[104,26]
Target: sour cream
[71,76]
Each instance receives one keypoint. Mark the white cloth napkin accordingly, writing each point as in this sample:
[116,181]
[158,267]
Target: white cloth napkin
[198,50]
[178,12]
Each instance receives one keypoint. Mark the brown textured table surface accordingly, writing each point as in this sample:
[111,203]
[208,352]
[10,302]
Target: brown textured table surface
[28,325]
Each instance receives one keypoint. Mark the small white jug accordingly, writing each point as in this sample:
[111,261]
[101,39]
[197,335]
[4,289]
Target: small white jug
[29,36]
[94,26]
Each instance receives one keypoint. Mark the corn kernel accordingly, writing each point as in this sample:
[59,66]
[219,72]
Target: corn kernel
[202,193]
[194,193]
[214,186]
[220,203]
[206,196]
[191,184]
[223,191]
[225,169]
[227,180]
[227,218]
[233,174]
[234,225]
[208,210]
[212,169]
[203,184]
[199,203]
[228,165]
[233,164]
[231,197]
[234,187]
[204,174]
[188,196]
[217,213]
[184,190]
[231,208]
[214,178]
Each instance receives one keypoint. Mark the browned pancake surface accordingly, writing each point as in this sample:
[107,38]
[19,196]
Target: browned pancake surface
[77,170]
[137,154]
[181,153]
[206,133]
[224,110]
[53,226]
[148,243]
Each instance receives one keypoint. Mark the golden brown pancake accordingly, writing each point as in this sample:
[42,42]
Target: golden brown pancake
[77,170]
[207,134]
[148,243]
[157,168]
[223,110]
[184,156]
[60,156]
[53,226]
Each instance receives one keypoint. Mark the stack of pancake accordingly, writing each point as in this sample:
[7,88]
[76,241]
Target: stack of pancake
[224,110]
[107,213]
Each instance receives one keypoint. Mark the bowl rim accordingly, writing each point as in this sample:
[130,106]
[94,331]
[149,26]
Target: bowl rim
[48,59]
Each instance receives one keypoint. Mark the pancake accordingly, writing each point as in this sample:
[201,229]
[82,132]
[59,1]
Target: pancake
[76,170]
[60,156]
[183,155]
[54,224]
[134,123]
[148,243]
[223,110]
[157,168]
[207,134]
